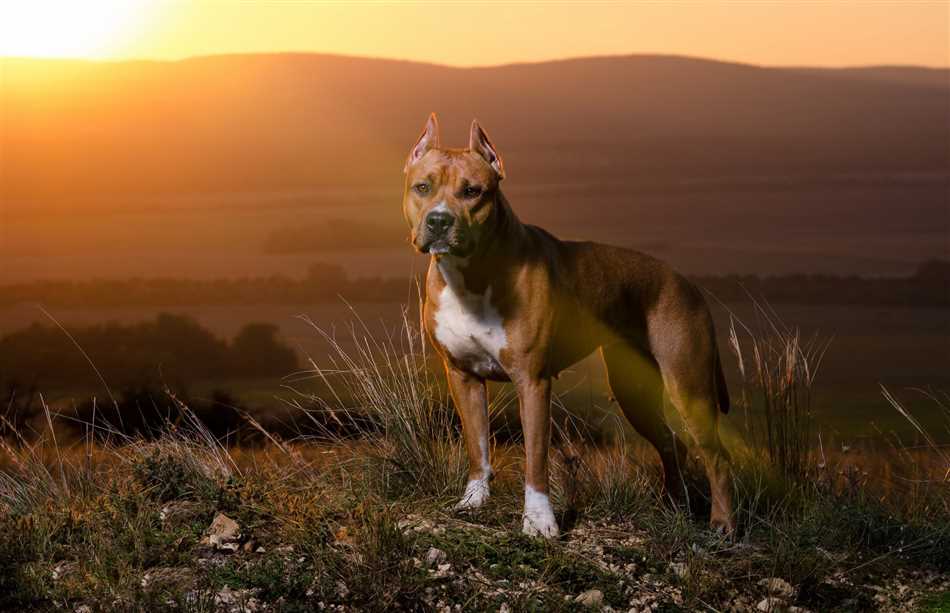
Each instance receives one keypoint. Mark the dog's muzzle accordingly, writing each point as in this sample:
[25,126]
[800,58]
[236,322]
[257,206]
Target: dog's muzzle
[438,223]
[440,234]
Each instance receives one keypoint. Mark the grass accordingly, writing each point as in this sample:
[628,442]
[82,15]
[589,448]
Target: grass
[363,522]
[938,603]
[782,369]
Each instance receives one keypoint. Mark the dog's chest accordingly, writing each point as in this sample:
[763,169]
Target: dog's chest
[469,327]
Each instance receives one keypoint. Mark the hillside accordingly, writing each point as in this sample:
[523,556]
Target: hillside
[277,122]
[798,170]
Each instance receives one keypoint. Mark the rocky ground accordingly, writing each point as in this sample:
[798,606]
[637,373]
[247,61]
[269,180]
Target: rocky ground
[453,564]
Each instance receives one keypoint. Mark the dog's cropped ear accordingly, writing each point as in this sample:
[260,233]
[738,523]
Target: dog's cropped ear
[479,142]
[428,140]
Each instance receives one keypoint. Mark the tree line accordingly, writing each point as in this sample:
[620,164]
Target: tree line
[170,348]
[326,283]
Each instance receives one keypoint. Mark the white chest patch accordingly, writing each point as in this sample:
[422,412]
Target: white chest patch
[467,324]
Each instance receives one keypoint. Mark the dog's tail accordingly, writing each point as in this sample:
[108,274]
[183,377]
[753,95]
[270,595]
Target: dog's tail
[722,392]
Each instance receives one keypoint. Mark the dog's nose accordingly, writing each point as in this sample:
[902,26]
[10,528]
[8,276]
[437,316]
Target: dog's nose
[439,222]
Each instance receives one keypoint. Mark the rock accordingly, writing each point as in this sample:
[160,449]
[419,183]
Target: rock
[772,605]
[223,533]
[435,556]
[417,524]
[777,587]
[61,569]
[442,570]
[179,512]
[343,536]
[83,608]
[223,527]
[170,578]
[504,608]
[237,600]
[680,569]
[590,598]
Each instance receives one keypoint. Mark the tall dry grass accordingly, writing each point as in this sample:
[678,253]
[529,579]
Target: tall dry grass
[778,368]
[382,388]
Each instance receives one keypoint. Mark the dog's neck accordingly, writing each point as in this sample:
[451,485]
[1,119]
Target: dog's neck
[495,252]
[506,234]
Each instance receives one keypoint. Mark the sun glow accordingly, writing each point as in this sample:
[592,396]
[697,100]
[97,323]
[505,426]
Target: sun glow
[69,28]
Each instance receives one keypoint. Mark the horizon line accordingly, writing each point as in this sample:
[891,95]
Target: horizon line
[236,54]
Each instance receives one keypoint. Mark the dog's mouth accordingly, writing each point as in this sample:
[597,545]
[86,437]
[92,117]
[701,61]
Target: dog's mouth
[443,245]
[439,247]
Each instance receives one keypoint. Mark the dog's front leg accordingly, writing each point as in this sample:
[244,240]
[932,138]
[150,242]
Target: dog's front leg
[471,402]
[534,397]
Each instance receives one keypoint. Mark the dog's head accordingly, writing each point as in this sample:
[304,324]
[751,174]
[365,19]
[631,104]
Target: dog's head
[451,194]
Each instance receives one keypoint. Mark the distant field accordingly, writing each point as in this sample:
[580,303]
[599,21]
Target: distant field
[901,348]
[766,227]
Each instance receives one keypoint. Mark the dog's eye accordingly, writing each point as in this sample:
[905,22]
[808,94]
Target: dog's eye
[472,191]
[421,188]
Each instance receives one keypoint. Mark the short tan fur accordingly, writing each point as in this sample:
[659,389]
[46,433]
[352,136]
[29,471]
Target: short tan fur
[508,301]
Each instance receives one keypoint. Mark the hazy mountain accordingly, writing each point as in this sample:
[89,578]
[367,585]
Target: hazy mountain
[118,169]
[78,130]
[908,75]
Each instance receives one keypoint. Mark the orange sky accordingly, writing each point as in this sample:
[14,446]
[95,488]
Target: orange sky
[836,33]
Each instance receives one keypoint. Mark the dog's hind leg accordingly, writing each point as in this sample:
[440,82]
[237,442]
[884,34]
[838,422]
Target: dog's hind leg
[687,366]
[700,415]
[636,384]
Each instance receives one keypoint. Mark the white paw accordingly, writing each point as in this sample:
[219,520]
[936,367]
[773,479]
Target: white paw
[538,515]
[544,526]
[476,495]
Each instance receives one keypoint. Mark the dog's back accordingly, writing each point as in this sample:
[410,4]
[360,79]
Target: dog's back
[610,295]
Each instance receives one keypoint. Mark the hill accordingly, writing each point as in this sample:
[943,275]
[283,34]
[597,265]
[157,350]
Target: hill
[277,122]
[798,170]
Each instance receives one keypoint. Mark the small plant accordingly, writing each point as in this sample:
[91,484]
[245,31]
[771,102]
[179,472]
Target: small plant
[613,485]
[782,373]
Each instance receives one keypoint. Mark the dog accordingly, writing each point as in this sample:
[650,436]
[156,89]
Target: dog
[507,301]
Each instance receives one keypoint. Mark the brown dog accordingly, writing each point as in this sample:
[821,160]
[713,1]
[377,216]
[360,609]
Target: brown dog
[507,301]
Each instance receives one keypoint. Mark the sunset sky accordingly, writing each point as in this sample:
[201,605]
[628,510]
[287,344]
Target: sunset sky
[836,33]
